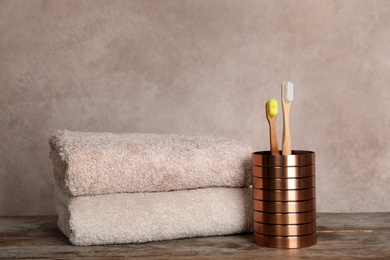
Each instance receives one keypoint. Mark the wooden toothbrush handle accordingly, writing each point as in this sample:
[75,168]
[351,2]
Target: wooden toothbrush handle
[286,143]
[273,139]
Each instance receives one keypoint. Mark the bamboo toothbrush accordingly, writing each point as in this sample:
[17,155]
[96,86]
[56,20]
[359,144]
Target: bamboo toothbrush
[271,108]
[287,98]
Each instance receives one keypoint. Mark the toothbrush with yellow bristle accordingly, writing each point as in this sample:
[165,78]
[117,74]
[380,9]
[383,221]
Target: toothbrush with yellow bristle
[271,109]
[287,98]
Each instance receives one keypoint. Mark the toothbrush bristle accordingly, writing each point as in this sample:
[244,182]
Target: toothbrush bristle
[288,91]
[272,107]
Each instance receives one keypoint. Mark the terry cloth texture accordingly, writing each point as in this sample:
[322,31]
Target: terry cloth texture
[106,163]
[142,217]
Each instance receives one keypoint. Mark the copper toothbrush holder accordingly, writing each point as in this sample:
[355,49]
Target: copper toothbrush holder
[284,199]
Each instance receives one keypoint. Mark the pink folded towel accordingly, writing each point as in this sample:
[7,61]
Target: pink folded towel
[143,217]
[106,163]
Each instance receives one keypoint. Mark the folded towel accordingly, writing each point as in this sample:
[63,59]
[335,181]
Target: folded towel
[142,217]
[105,163]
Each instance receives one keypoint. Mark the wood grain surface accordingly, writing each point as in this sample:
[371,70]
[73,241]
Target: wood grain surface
[340,236]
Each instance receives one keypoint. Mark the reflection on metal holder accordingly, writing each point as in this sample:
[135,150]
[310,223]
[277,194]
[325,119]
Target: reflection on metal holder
[284,184]
[284,230]
[284,218]
[283,195]
[284,206]
[297,158]
[285,242]
[283,172]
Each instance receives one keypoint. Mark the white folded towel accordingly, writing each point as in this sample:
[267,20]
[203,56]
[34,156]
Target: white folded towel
[143,217]
[106,163]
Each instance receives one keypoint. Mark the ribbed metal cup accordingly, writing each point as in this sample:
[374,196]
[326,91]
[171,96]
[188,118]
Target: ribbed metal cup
[284,199]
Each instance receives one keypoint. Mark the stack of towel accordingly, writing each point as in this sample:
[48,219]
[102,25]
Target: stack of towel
[132,188]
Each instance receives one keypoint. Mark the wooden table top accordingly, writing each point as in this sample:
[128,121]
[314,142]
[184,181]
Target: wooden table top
[340,236]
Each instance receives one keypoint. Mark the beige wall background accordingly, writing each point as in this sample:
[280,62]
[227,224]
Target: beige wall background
[198,67]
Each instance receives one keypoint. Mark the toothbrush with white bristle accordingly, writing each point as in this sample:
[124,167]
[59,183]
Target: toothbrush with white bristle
[287,98]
